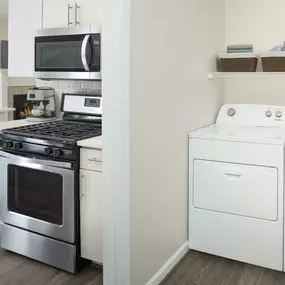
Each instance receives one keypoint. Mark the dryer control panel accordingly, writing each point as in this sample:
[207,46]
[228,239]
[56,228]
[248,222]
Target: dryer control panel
[252,115]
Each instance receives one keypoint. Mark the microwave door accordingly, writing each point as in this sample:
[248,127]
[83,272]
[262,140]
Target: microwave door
[62,57]
[84,52]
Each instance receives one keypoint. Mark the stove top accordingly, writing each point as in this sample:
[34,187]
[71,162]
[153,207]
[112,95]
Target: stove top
[63,131]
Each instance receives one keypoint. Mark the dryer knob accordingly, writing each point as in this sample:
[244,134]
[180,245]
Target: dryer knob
[268,114]
[279,114]
[231,112]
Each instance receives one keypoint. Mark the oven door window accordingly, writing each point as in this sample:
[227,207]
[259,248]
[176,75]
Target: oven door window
[35,193]
[59,54]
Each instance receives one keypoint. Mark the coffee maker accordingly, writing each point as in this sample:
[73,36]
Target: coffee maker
[41,102]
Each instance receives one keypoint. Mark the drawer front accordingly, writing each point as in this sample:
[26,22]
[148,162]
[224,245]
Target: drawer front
[245,190]
[91,159]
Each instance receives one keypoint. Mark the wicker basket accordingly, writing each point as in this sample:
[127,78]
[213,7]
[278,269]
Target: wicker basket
[273,62]
[238,62]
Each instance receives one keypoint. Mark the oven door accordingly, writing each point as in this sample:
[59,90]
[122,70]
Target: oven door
[38,195]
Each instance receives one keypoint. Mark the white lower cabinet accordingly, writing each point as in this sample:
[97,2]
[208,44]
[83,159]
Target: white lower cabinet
[91,197]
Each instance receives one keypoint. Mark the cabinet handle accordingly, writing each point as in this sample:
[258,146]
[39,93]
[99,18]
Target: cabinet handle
[69,13]
[94,159]
[82,195]
[77,9]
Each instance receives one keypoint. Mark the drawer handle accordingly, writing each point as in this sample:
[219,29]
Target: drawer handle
[237,175]
[94,159]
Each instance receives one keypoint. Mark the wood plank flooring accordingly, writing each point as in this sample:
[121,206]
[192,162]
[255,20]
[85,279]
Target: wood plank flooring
[203,269]
[18,270]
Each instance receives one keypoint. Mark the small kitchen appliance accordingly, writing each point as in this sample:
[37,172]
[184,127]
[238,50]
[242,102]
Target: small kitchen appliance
[39,183]
[40,104]
[68,53]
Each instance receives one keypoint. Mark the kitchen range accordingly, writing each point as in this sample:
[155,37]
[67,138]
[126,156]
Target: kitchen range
[39,203]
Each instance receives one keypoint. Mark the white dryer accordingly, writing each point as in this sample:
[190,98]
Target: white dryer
[236,183]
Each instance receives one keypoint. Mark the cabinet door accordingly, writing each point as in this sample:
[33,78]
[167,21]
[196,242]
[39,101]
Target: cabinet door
[58,13]
[91,215]
[24,18]
[89,12]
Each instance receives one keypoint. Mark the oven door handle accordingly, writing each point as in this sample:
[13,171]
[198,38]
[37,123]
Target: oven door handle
[84,51]
[58,164]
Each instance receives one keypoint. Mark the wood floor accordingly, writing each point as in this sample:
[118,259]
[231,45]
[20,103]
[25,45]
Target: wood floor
[202,269]
[18,270]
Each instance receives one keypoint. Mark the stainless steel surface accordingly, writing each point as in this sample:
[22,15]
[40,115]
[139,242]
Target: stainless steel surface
[26,160]
[64,232]
[40,94]
[69,75]
[268,114]
[78,30]
[77,9]
[40,248]
[41,102]
[69,10]
[95,29]
[231,112]
[83,52]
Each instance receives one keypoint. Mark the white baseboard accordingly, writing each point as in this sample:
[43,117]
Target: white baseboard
[169,265]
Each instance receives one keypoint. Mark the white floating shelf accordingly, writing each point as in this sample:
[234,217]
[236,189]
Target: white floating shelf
[221,75]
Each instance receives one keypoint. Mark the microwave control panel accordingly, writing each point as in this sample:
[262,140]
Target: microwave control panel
[96,44]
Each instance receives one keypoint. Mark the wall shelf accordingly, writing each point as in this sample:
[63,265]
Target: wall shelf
[224,75]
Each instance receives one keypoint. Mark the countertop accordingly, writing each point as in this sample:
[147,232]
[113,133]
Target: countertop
[95,142]
[14,124]
[91,143]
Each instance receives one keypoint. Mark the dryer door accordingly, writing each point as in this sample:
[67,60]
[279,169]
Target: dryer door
[238,189]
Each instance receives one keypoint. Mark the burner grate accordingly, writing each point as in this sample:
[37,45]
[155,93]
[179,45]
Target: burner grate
[58,130]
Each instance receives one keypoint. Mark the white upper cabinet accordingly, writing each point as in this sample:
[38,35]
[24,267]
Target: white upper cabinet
[58,13]
[89,12]
[66,13]
[24,18]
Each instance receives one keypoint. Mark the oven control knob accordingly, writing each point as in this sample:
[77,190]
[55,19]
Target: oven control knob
[9,145]
[57,152]
[18,145]
[48,151]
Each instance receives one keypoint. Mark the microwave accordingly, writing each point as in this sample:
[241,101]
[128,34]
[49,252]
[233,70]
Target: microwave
[72,53]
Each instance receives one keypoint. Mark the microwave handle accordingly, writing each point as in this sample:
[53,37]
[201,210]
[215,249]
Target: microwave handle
[83,52]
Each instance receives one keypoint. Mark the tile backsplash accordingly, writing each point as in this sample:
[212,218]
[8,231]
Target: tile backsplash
[64,86]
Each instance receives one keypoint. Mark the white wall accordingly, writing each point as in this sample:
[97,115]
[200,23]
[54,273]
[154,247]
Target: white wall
[171,54]
[3,29]
[116,141]
[262,24]
[257,22]
[155,66]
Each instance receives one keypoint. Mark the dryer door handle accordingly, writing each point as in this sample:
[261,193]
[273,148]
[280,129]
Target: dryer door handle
[233,174]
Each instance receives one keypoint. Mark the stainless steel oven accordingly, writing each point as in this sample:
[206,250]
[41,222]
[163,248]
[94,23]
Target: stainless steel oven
[38,195]
[39,183]
[68,53]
